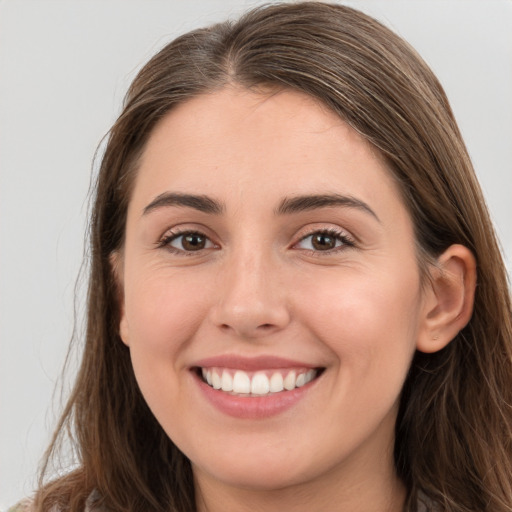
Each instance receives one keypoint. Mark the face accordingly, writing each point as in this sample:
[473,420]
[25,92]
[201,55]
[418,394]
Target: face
[272,297]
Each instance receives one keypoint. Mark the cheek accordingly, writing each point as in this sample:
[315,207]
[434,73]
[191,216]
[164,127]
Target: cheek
[368,320]
[163,311]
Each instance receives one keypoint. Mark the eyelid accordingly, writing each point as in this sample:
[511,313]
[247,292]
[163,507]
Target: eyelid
[171,234]
[183,228]
[344,236]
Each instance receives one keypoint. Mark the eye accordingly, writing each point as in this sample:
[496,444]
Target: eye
[324,241]
[189,241]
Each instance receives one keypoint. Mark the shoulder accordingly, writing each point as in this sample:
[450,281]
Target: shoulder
[27,505]
[23,506]
[425,504]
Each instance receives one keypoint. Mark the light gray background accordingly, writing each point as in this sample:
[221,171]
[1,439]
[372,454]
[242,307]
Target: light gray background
[64,68]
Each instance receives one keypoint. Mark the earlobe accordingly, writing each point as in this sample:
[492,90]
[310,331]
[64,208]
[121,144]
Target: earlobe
[449,297]
[116,265]
[123,329]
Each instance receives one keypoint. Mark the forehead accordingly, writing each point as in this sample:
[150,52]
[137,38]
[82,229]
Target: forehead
[235,116]
[261,146]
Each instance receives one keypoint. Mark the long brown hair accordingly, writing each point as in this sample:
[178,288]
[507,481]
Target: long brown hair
[454,429]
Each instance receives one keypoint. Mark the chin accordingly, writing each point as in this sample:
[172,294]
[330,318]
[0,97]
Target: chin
[261,476]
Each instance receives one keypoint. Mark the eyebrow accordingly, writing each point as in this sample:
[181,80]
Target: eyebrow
[287,206]
[197,202]
[312,202]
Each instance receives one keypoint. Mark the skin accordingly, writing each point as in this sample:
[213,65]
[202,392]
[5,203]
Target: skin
[260,287]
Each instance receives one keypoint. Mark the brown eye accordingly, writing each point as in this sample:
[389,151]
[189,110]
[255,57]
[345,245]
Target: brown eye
[193,242]
[188,242]
[323,242]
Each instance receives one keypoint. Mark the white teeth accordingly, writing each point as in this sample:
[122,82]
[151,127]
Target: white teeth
[310,376]
[216,381]
[276,383]
[241,382]
[289,381]
[259,384]
[227,381]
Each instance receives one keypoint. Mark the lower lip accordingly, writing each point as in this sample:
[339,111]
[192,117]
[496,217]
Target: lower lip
[253,407]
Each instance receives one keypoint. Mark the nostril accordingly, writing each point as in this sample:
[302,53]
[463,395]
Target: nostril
[248,322]
[262,326]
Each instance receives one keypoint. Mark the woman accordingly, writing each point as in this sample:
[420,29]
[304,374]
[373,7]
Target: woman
[296,297]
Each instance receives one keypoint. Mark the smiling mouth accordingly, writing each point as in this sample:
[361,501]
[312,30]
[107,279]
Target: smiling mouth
[259,383]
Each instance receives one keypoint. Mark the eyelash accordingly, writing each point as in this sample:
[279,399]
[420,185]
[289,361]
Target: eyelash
[166,241]
[341,236]
[337,235]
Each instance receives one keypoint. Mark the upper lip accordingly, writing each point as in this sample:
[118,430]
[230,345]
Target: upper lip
[264,362]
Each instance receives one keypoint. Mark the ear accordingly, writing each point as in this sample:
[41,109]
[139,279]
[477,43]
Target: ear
[116,265]
[449,297]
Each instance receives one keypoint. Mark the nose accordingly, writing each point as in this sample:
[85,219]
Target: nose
[252,298]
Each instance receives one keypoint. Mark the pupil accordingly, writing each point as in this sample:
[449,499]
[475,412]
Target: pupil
[193,242]
[323,242]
